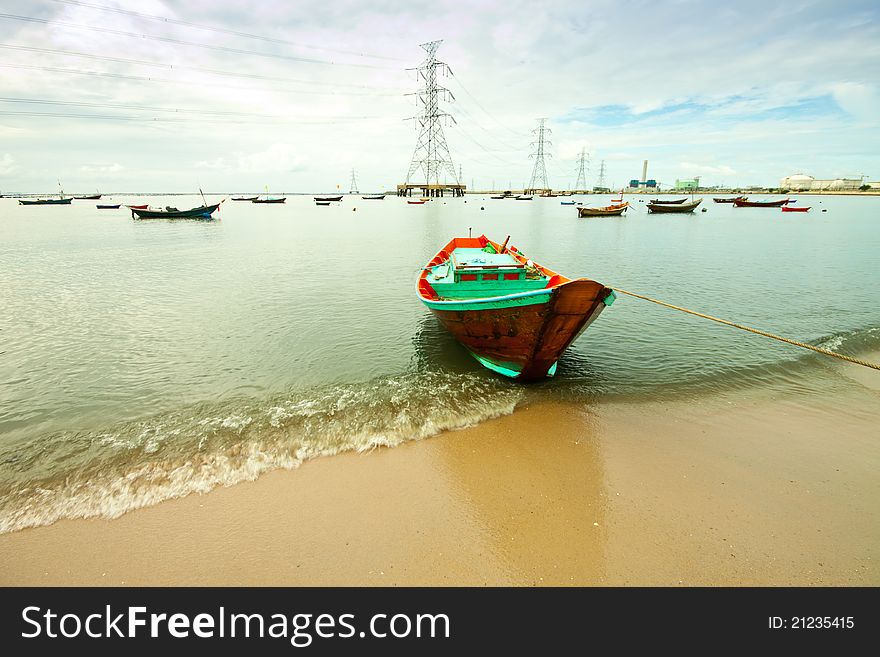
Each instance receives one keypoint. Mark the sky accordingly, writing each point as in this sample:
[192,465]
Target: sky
[290,96]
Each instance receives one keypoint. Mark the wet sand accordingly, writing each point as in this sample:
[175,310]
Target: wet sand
[728,490]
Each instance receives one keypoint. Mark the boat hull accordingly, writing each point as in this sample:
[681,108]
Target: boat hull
[602,212]
[666,208]
[47,201]
[523,336]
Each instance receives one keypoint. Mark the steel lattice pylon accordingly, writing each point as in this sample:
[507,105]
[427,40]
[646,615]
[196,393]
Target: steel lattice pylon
[432,153]
[354,188]
[583,165]
[539,173]
[600,182]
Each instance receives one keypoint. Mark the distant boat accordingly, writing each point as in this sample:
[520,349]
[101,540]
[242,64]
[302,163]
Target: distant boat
[523,198]
[89,197]
[138,207]
[567,202]
[328,198]
[730,200]
[677,208]
[280,199]
[760,204]
[322,202]
[514,316]
[109,207]
[498,197]
[419,202]
[609,211]
[788,208]
[245,198]
[377,197]
[46,201]
[677,201]
[201,212]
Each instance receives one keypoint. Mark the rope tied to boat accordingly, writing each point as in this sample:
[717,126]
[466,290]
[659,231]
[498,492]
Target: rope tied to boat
[820,350]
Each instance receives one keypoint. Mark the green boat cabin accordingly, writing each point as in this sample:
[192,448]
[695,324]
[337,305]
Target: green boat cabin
[472,273]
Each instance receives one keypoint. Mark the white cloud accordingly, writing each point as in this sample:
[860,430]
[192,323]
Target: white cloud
[279,157]
[7,164]
[101,168]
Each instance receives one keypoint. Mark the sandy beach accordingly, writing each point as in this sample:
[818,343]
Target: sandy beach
[732,490]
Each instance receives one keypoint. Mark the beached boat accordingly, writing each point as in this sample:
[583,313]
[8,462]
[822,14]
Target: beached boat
[608,211]
[791,208]
[377,197]
[245,198]
[201,212]
[670,208]
[281,199]
[328,198]
[416,202]
[760,204]
[89,197]
[513,315]
[730,200]
[111,206]
[662,202]
[46,201]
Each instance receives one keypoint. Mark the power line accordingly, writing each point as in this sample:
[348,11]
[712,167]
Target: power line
[141,78]
[220,30]
[140,62]
[238,51]
[491,116]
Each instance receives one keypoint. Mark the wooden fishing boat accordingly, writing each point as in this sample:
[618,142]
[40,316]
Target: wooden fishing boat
[46,201]
[138,207]
[730,200]
[662,202]
[328,198]
[322,202]
[377,197]
[760,204]
[419,202]
[669,208]
[109,206]
[89,197]
[513,315]
[201,212]
[791,208]
[281,199]
[608,211]
[245,198]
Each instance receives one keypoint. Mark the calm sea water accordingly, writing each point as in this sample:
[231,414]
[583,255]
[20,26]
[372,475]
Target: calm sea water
[141,360]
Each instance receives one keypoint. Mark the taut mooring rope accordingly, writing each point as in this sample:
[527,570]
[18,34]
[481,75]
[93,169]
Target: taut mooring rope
[819,350]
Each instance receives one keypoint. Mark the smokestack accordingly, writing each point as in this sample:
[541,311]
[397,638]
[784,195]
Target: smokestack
[645,171]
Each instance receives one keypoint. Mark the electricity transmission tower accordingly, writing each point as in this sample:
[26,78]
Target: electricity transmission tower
[539,173]
[600,182]
[354,187]
[431,155]
[583,164]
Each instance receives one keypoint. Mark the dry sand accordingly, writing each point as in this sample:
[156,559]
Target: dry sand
[721,491]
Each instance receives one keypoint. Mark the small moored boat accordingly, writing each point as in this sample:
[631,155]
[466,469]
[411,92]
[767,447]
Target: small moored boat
[201,212]
[730,200]
[328,198]
[322,202]
[662,202]
[523,198]
[419,202]
[245,198]
[673,208]
[46,201]
[513,315]
[109,206]
[88,197]
[608,211]
[280,199]
[376,197]
[760,204]
[791,208]
[138,207]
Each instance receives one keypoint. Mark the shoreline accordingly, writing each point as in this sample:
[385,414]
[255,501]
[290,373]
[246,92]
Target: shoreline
[719,491]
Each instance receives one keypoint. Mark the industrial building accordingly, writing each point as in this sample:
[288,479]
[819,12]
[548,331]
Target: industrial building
[801,182]
[688,184]
[644,182]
